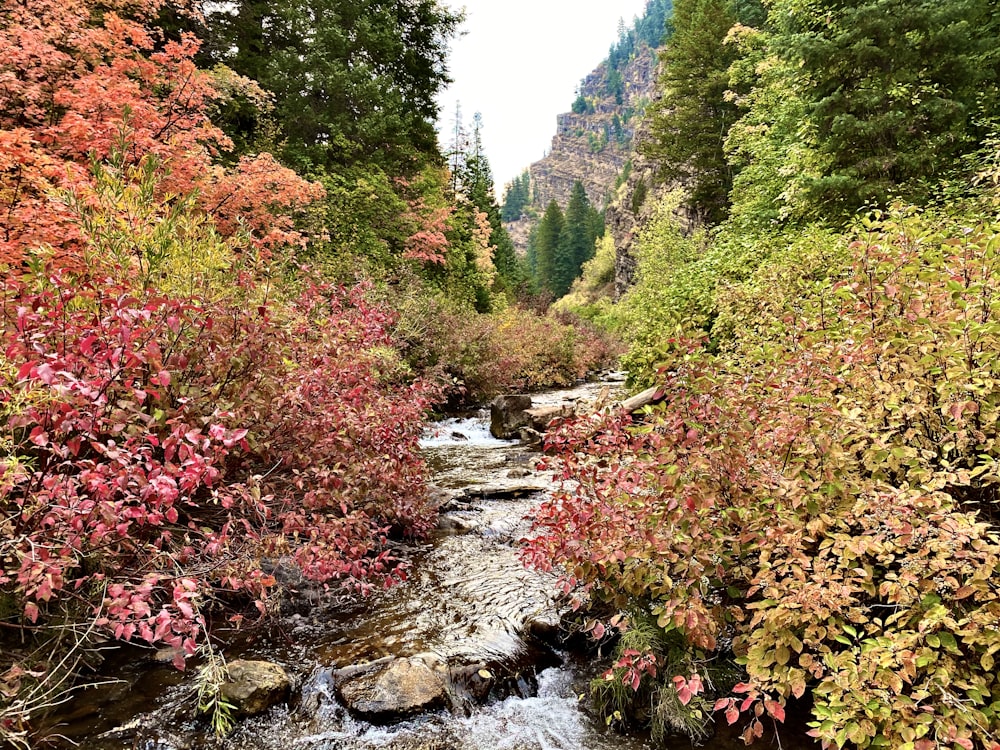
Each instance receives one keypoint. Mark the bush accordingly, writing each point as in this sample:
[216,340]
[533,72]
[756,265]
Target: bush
[819,493]
[507,351]
[162,436]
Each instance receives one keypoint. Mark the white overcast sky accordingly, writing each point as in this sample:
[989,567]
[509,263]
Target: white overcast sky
[519,63]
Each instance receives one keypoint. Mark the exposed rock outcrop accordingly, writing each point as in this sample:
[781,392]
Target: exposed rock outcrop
[591,146]
[632,207]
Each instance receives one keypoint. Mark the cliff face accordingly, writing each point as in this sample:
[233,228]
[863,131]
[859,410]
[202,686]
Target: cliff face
[632,208]
[593,143]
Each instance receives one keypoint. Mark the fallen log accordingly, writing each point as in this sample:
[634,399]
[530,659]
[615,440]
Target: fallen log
[647,397]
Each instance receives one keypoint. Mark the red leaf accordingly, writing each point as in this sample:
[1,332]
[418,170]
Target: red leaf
[775,709]
[684,694]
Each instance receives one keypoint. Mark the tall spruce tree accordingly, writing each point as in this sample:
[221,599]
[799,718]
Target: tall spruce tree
[516,197]
[895,90]
[576,242]
[546,246]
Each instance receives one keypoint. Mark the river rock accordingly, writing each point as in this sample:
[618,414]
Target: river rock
[531,437]
[508,414]
[541,417]
[255,686]
[394,689]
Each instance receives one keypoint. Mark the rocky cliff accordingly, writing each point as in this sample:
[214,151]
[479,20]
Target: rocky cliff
[632,207]
[593,143]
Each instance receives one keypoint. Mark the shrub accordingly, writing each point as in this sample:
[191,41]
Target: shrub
[820,492]
[158,445]
[510,350]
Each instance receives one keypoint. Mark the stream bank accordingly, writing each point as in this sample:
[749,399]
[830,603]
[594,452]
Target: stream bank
[470,647]
[466,651]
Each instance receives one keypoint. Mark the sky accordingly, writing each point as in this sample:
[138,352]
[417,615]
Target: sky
[519,64]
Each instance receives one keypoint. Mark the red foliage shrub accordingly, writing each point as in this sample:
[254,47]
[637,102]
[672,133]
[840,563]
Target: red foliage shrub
[818,497]
[125,475]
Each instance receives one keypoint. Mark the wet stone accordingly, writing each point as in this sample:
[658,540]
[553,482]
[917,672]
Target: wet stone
[508,414]
[392,690]
[255,686]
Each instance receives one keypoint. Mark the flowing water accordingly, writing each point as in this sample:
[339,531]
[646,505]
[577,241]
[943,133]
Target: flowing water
[469,602]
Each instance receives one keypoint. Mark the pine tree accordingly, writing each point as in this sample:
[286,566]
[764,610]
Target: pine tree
[893,89]
[576,243]
[516,197]
[476,179]
[653,26]
[546,246]
[353,82]
[691,120]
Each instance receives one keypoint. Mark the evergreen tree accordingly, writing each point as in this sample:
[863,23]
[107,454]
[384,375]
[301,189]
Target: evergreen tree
[653,27]
[517,196]
[546,246]
[353,82]
[477,184]
[576,244]
[691,120]
[457,149]
[894,89]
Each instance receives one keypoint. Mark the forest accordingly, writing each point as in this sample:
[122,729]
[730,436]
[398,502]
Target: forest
[240,273]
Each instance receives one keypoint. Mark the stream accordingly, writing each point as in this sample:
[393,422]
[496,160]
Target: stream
[469,608]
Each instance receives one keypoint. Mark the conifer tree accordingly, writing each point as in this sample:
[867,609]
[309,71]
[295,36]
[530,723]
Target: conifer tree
[353,82]
[516,197]
[476,179]
[690,122]
[576,242]
[546,246]
[895,90]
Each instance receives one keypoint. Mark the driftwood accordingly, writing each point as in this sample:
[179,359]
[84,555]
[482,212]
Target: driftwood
[647,397]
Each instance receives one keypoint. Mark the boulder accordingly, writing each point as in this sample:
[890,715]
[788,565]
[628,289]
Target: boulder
[393,689]
[542,416]
[255,686]
[508,414]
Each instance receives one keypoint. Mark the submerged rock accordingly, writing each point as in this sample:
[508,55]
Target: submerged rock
[390,690]
[508,414]
[255,686]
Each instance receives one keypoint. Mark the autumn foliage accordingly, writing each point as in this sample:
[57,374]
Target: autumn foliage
[184,406]
[160,447]
[71,75]
[818,497]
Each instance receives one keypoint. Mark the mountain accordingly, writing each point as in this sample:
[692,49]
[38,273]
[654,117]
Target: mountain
[593,143]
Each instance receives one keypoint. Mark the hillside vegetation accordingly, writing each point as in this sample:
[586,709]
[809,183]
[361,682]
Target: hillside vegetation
[808,516]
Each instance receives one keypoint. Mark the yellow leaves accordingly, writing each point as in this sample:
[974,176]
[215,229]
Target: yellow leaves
[782,655]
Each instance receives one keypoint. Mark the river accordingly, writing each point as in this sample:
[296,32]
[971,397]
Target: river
[469,604]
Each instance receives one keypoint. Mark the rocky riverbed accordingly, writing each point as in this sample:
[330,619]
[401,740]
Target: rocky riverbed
[465,654]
